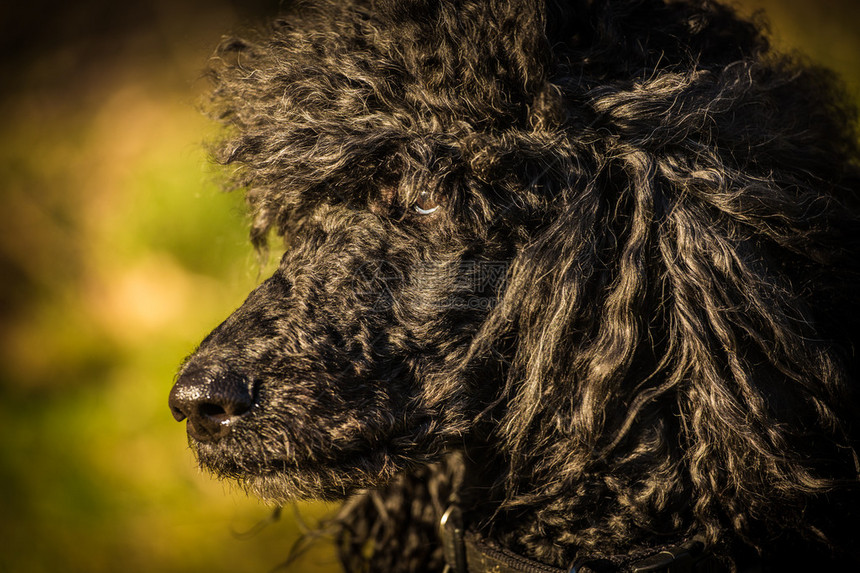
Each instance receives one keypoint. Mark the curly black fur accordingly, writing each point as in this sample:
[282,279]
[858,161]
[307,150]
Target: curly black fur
[630,320]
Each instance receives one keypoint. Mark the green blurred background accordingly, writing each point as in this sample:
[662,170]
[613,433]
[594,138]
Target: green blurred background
[118,253]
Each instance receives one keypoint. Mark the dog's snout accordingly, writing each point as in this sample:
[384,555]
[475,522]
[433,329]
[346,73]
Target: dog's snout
[211,400]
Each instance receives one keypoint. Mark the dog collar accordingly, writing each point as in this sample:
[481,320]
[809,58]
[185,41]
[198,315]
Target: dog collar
[467,552]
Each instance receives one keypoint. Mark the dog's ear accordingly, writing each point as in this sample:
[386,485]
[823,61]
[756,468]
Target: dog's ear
[666,321]
[579,302]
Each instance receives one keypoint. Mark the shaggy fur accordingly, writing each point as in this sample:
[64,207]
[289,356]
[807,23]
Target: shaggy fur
[631,318]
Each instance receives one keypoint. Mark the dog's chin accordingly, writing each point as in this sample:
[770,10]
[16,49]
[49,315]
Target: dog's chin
[282,488]
[279,481]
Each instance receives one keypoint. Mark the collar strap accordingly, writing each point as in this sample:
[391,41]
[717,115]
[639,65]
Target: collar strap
[467,552]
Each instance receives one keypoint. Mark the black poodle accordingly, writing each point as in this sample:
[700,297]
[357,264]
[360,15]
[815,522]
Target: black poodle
[576,279]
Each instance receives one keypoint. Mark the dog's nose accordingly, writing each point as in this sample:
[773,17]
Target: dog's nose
[212,401]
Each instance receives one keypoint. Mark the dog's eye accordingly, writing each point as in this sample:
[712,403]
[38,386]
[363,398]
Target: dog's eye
[425,204]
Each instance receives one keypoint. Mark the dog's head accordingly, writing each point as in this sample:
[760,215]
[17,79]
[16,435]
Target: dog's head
[404,178]
[592,237]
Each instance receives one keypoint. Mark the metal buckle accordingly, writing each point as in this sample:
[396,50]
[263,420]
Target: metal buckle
[678,559]
[453,540]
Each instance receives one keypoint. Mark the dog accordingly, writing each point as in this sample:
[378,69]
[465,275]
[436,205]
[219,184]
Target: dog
[568,285]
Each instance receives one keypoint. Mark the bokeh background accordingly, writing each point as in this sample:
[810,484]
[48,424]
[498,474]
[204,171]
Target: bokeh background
[118,252]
